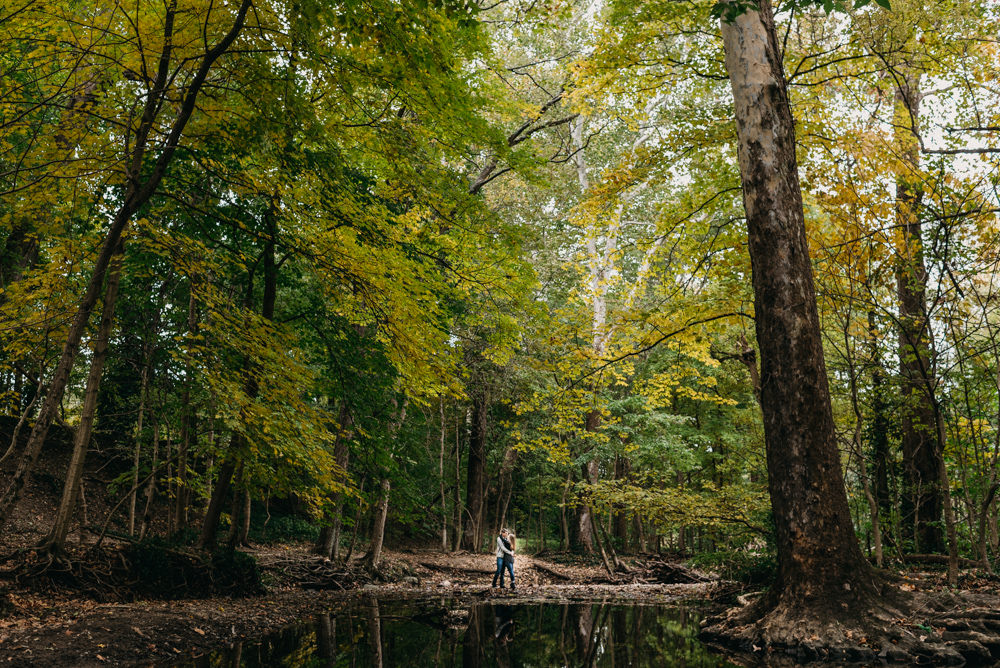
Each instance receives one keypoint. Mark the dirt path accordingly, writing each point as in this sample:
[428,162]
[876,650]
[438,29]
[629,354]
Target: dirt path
[39,630]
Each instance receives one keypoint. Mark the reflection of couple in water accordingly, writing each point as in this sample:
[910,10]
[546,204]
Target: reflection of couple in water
[503,619]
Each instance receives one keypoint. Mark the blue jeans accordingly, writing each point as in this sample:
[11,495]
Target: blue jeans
[501,564]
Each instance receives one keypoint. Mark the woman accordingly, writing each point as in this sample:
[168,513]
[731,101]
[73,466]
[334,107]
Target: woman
[505,559]
[508,560]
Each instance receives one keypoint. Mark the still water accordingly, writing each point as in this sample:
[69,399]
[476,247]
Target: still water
[432,633]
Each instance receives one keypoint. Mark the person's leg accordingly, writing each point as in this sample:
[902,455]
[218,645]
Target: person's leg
[510,567]
[498,572]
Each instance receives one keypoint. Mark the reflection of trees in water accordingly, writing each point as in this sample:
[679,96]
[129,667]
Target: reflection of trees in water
[326,631]
[473,647]
[375,633]
[387,634]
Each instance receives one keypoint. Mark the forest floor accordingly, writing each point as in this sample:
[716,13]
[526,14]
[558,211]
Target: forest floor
[57,628]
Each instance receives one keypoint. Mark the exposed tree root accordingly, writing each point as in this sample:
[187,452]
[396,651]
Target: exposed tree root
[317,572]
[939,559]
[671,572]
[892,626]
[551,572]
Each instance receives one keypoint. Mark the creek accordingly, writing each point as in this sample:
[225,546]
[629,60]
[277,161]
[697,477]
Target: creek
[369,633]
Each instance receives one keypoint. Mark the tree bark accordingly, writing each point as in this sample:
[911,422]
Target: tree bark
[878,436]
[472,537]
[444,499]
[457,500]
[582,535]
[374,555]
[922,454]
[329,540]
[210,524]
[144,524]
[56,539]
[821,570]
[137,447]
[620,531]
[188,430]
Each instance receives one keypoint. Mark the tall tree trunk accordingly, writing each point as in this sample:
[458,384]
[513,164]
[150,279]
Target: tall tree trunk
[374,555]
[476,479]
[329,539]
[922,454]
[878,435]
[137,448]
[188,430]
[56,540]
[620,522]
[822,574]
[210,523]
[147,510]
[457,505]
[444,499]
[582,534]
[564,537]
[239,513]
[505,486]
[949,511]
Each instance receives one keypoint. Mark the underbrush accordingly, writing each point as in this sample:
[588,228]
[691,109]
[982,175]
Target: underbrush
[151,569]
[283,529]
[745,566]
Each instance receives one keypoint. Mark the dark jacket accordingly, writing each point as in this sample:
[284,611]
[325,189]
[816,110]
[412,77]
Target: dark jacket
[507,556]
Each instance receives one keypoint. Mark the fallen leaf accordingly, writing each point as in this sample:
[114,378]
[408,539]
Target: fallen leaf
[199,631]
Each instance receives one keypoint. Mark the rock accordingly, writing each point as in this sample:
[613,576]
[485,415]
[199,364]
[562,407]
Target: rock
[445,583]
[410,580]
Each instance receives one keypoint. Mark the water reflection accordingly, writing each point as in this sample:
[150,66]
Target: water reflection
[431,633]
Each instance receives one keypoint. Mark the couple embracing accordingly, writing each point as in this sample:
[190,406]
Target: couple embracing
[505,557]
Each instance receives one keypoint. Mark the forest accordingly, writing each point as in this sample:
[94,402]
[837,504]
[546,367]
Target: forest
[708,282]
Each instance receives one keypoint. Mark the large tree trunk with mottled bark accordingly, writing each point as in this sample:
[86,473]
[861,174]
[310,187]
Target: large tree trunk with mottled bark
[822,574]
[826,603]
